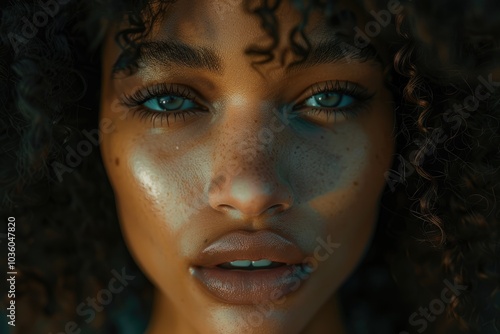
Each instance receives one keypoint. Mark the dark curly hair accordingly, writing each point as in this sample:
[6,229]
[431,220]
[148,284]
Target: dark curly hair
[439,219]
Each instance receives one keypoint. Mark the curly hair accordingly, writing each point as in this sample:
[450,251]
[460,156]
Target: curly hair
[456,159]
[439,219]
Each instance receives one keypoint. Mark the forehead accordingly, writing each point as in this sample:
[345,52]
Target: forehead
[235,21]
[230,28]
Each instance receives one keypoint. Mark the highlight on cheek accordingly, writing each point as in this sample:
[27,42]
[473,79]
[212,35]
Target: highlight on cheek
[146,177]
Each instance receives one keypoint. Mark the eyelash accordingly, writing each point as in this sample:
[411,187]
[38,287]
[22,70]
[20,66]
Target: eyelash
[360,95]
[136,100]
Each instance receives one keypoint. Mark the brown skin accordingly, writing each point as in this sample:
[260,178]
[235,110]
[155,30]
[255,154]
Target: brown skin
[303,185]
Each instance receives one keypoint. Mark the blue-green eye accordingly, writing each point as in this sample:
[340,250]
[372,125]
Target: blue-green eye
[170,103]
[329,100]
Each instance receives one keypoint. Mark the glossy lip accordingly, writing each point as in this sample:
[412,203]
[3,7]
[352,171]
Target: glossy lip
[254,246]
[236,286]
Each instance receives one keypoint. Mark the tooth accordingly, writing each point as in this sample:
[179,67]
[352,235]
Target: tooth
[241,263]
[261,263]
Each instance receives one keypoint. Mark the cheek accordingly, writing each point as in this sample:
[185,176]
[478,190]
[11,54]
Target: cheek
[156,182]
[342,184]
[155,187]
[346,171]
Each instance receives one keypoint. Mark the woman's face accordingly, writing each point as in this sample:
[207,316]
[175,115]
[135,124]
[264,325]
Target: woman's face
[213,160]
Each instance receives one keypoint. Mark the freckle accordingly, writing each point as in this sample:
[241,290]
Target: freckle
[322,137]
[117,162]
[376,156]
[206,240]
[355,183]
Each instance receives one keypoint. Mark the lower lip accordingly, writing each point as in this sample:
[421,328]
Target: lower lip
[250,287]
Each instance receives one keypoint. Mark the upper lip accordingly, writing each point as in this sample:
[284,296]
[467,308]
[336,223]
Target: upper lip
[243,245]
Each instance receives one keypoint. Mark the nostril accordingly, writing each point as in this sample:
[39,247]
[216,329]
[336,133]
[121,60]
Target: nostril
[225,207]
[277,208]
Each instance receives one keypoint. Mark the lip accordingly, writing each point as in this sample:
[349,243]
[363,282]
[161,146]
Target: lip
[254,246]
[236,286]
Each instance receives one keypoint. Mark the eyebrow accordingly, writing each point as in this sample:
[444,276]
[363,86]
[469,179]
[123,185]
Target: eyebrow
[334,51]
[171,53]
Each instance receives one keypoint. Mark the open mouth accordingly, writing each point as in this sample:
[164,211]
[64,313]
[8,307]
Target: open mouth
[251,265]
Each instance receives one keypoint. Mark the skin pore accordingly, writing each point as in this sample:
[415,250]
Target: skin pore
[230,163]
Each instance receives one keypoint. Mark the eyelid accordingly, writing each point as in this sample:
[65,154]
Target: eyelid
[358,92]
[136,100]
[147,92]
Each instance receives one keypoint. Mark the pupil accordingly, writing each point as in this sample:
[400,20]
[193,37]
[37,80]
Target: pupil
[170,102]
[328,99]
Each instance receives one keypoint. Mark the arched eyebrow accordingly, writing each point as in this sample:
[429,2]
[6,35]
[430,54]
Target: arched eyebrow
[170,53]
[336,50]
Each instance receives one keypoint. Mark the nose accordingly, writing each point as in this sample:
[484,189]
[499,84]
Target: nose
[252,181]
[250,194]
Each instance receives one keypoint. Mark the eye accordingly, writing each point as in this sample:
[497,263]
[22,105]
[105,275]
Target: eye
[163,101]
[169,103]
[341,99]
[329,100]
